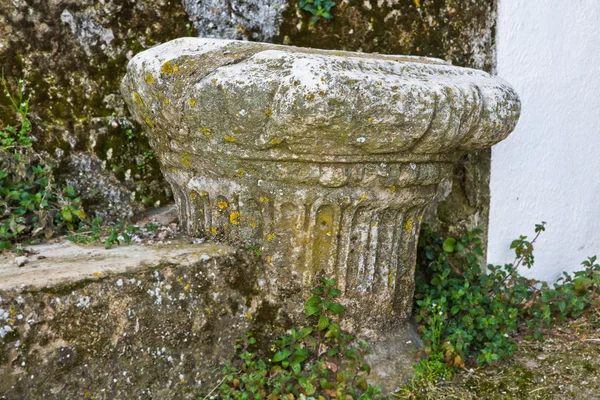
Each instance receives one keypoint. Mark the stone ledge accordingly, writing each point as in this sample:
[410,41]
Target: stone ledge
[153,321]
[66,263]
[130,322]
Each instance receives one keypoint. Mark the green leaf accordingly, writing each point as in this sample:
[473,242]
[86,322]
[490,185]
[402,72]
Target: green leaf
[277,357]
[336,308]
[323,323]
[312,310]
[449,245]
[66,214]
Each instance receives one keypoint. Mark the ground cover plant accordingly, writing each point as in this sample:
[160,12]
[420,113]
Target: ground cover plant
[314,362]
[470,316]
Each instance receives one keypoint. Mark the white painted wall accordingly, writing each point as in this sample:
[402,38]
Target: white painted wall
[549,168]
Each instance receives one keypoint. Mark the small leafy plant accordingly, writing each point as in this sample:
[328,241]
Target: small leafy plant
[320,9]
[31,204]
[468,314]
[314,361]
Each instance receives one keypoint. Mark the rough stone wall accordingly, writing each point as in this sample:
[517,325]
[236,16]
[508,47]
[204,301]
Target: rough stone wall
[74,54]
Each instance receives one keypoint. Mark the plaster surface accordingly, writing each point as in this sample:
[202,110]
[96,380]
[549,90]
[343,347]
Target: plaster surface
[549,169]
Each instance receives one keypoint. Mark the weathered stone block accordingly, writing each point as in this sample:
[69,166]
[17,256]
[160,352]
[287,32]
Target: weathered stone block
[144,322]
[325,159]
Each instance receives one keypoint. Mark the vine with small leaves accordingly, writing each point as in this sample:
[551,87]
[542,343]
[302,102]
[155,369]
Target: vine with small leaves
[320,360]
[469,315]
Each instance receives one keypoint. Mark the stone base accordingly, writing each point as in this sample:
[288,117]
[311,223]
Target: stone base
[149,322]
[393,356]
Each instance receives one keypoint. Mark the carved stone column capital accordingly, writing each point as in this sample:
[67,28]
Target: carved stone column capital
[324,159]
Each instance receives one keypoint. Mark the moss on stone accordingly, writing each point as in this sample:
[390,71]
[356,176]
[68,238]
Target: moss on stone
[74,72]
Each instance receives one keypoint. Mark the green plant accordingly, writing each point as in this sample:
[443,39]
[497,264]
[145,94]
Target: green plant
[147,157]
[320,360]
[468,314]
[130,135]
[253,249]
[189,29]
[318,8]
[31,204]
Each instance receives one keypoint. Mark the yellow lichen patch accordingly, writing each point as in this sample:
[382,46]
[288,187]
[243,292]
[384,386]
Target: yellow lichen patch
[409,225]
[187,287]
[95,273]
[370,119]
[185,159]
[420,218]
[390,278]
[269,112]
[173,169]
[310,97]
[149,122]
[85,291]
[138,98]
[234,218]
[204,193]
[229,138]
[364,197]
[393,188]
[154,96]
[241,172]
[252,225]
[166,100]
[270,236]
[214,81]
[264,199]
[275,141]
[205,131]
[222,205]
[268,259]
[167,68]
[394,88]
[249,315]
[192,102]
[213,230]
[179,279]
[418,3]
[193,195]
[149,78]
[208,311]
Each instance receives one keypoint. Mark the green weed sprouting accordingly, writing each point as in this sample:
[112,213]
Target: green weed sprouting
[32,205]
[314,361]
[320,9]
